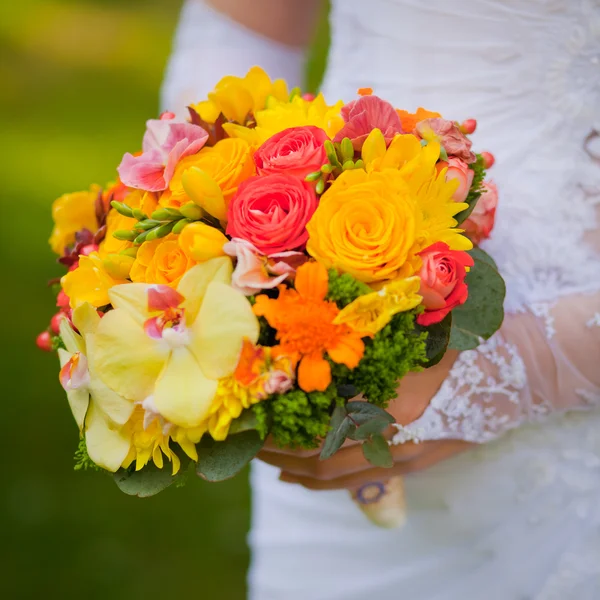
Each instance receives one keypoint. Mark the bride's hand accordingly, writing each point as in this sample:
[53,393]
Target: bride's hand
[348,469]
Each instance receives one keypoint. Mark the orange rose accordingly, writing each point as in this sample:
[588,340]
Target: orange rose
[161,261]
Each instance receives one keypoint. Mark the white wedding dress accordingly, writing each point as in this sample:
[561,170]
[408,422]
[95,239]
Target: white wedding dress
[517,518]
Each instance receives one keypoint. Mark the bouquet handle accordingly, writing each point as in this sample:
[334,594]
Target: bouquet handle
[383,503]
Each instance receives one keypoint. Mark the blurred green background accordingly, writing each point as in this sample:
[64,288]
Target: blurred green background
[79,78]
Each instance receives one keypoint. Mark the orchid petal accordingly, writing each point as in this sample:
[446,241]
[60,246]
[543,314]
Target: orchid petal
[86,318]
[133,299]
[79,399]
[72,341]
[107,444]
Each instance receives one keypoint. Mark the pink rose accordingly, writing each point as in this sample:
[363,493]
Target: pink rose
[255,272]
[295,151]
[458,169]
[443,284]
[271,212]
[165,143]
[480,223]
[364,115]
[455,142]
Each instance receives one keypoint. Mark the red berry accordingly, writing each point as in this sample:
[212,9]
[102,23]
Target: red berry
[308,97]
[44,341]
[167,116]
[488,159]
[55,322]
[62,300]
[88,249]
[469,126]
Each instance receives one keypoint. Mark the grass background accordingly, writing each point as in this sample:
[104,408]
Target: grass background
[79,78]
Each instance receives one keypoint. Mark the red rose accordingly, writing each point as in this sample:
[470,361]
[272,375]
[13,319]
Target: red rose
[295,151]
[271,212]
[480,223]
[443,284]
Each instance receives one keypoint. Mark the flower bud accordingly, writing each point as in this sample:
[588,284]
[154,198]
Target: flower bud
[167,116]
[192,211]
[320,187]
[469,126]
[44,341]
[139,214]
[122,208]
[118,265]
[308,97]
[488,159]
[165,214]
[124,234]
[55,322]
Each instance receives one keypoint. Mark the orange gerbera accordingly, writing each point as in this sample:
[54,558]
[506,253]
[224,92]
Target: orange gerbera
[305,328]
[409,120]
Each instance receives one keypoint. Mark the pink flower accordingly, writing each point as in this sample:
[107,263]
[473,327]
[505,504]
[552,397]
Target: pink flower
[255,272]
[455,142]
[480,223]
[458,169]
[278,382]
[295,151]
[165,143]
[271,212]
[364,115]
[443,284]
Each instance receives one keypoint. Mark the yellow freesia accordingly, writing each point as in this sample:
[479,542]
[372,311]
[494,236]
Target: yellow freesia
[91,280]
[202,242]
[237,97]
[297,112]
[370,313]
[72,213]
[175,355]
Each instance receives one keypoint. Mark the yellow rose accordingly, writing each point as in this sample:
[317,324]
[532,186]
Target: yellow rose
[72,213]
[161,261]
[228,163]
[116,221]
[89,282]
[365,227]
[202,242]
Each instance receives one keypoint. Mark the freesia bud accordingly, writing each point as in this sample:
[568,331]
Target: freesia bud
[488,159]
[55,322]
[44,341]
[468,126]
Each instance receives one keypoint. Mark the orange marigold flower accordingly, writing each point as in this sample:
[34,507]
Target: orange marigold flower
[409,120]
[304,321]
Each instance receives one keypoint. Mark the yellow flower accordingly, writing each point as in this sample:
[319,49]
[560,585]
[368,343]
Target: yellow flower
[298,112]
[72,213]
[202,242]
[370,313]
[373,225]
[237,97]
[161,261]
[146,201]
[89,282]
[211,177]
[99,412]
[173,346]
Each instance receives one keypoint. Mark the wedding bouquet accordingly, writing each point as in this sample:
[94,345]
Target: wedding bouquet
[270,266]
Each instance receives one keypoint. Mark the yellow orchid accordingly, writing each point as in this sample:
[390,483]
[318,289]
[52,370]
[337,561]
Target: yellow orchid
[370,313]
[91,280]
[236,97]
[98,411]
[297,112]
[174,346]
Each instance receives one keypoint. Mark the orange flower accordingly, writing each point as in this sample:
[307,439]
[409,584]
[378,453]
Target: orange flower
[305,329]
[410,120]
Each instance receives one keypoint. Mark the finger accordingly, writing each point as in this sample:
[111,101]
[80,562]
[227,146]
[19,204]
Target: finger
[435,452]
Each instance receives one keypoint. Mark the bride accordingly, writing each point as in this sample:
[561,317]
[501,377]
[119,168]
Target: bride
[503,494]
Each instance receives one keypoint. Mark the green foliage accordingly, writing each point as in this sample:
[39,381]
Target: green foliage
[83,462]
[296,419]
[146,482]
[377,451]
[57,342]
[476,188]
[438,337]
[344,288]
[396,350]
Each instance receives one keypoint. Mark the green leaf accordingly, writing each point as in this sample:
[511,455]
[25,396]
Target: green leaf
[438,337]
[479,254]
[245,422]
[218,461]
[377,452]
[339,428]
[362,412]
[471,200]
[482,314]
[147,482]
[375,426]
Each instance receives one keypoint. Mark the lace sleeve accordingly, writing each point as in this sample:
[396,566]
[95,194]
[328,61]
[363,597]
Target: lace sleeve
[544,360]
[209,45]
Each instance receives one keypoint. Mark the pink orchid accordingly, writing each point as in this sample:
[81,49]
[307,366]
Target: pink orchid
[364,115]
[255,271]
[165,143]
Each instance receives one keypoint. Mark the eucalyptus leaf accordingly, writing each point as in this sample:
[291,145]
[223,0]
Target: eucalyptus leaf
[245,422]
[377,452]
[375,426]
[339,429]
[438,337]
[145,483]
[472,200]
[218,461]
[361,412]
[479,254]
[482,314]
